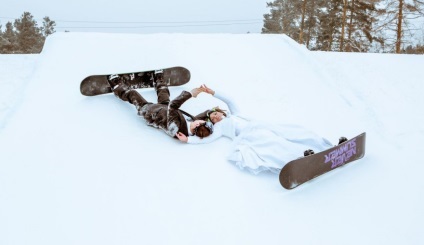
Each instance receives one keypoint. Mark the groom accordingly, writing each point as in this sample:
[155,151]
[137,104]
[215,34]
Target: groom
[165,114]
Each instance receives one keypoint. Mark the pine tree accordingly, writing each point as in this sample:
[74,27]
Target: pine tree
[310,29]
[344,25]
[48,26]
[330,22]
[359,22]
[272,21]
[397,20]
[2,40]
[283,18]
[9,43]
[28,35]
[24,36]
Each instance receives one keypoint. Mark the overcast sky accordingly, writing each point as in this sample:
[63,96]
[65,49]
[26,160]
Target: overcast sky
[143,16]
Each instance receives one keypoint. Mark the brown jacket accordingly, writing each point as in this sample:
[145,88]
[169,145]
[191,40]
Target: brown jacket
[167,116]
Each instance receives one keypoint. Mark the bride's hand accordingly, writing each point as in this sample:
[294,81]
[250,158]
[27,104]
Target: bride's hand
[207,90]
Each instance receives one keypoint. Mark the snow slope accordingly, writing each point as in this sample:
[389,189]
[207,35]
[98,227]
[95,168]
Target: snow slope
[15,73]
[87,170]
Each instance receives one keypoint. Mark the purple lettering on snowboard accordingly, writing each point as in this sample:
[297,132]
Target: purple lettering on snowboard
[341,154]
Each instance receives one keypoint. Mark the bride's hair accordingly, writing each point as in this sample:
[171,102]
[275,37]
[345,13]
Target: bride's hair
[215,109]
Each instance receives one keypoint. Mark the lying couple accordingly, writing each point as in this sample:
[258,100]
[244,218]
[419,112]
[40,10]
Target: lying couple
[256,146]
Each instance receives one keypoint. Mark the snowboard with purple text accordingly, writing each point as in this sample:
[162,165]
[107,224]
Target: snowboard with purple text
[304,169]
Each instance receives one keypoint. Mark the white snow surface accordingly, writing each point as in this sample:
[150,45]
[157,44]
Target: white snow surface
[87,170]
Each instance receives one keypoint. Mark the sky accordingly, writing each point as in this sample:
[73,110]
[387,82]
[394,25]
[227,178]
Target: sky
[145,16]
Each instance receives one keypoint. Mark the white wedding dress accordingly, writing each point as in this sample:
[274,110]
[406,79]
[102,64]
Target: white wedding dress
[259,146]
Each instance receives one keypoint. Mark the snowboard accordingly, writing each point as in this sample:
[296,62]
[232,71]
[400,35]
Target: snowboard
[307,168]
[98,84]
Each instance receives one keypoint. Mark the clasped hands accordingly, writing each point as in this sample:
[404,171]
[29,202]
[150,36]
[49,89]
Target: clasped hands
[203,88]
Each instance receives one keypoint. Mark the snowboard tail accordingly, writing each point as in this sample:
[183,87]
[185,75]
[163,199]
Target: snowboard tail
[99,84]
[307,168]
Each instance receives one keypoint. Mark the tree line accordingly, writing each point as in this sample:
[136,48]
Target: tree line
[348,25]
[327,25]
[24,36]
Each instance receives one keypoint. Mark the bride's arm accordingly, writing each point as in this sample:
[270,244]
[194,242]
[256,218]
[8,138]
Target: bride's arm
[222,96]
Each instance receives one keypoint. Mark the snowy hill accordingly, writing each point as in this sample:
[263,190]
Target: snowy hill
[87,170]
[15,73]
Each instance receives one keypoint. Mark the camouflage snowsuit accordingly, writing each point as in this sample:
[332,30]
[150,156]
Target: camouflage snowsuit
[165,114]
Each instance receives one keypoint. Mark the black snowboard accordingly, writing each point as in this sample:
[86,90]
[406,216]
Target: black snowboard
[98,84]
[304,169]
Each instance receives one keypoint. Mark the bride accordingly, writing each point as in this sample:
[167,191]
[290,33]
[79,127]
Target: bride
[257,146]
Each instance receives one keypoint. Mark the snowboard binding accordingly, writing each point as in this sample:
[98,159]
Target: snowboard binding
[308,152]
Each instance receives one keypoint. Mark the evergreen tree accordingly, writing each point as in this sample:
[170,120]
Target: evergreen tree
[2,40]
[28,35]
[48,26]
[9,44]
[345,25]
[283,18]
[397,16]
[330,22]
[360,20]
[311,23]
[272,21]
[24,36]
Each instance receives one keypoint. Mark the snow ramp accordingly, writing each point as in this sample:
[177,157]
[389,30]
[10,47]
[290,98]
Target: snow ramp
[87,170]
